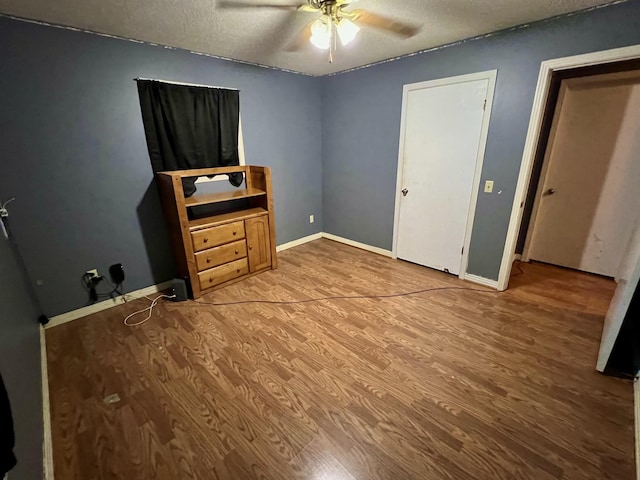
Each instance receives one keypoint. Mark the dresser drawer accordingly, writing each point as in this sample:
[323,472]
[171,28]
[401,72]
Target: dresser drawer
[212,237]
[223,273]
[213,257]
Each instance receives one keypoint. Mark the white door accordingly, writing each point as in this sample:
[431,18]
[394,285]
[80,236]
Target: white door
[442,135]
[629,277]
[588,200]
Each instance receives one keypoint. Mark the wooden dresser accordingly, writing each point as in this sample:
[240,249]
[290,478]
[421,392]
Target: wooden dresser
[220,238]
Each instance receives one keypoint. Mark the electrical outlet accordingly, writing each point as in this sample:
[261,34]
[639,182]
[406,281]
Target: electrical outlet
[311,219]
[92,273]
[488,186]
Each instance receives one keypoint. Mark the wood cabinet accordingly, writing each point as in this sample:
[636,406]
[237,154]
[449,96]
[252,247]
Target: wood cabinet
[258,243]
[220,238]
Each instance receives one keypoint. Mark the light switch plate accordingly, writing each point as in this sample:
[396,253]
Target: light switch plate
[488,186]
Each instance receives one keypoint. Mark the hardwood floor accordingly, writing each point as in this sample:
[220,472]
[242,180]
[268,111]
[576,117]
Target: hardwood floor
[449,384]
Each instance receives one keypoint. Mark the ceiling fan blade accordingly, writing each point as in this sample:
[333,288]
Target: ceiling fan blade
[383,23]
[301,39]
[230,4]
[308,8]
[278,35]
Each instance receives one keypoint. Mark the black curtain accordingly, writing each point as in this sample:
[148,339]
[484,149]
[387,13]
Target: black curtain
[190,127]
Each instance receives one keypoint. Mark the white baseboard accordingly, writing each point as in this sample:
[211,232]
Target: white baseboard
[98,307]
[299,241]
[47,444]
[481,280]
[636,401]
[388,253]
[353,243]
[517,257]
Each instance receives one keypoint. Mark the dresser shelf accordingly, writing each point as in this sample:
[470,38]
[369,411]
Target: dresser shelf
[209,198]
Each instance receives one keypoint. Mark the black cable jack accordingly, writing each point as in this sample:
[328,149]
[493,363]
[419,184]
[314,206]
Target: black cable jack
[90,282]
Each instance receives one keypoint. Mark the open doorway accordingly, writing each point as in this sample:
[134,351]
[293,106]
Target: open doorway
[586,205]
[581,210]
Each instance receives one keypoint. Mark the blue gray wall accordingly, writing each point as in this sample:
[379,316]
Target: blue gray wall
[20,363]
[361,123]
[74,153]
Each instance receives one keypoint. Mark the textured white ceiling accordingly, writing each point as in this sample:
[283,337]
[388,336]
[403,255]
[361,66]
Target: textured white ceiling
[259,35]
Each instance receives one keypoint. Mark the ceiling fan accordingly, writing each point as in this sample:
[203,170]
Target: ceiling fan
[335,21]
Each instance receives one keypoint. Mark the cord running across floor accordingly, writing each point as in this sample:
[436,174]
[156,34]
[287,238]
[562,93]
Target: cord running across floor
[154,302]
[337,297]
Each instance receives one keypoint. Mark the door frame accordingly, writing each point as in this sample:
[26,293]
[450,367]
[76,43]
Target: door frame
[547,69]
[489,75]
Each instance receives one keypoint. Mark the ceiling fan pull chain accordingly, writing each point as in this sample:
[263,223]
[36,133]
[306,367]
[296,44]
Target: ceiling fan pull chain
[332,38]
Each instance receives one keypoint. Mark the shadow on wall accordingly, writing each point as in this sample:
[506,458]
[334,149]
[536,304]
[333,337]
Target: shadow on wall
[156,235]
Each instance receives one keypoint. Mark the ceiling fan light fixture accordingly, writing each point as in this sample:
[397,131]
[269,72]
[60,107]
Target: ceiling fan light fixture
[320,34]
[347,31]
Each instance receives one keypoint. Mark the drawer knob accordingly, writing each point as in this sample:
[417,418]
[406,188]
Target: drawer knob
[238,270]
[250,247]
[210,280]
[205,240]
[237,251]
[208,260]
[234,232]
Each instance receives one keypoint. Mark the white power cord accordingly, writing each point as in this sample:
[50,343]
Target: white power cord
[154,302]
[4,214]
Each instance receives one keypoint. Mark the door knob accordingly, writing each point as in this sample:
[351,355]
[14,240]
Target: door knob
[404,192]
[548,192]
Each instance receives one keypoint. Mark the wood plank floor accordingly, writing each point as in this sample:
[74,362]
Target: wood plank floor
[451,384]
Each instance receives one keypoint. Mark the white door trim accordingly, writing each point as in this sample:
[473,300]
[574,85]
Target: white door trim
[47,443]
[489,75]
[547,68]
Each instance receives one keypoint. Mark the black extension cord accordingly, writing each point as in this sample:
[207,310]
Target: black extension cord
[340,297]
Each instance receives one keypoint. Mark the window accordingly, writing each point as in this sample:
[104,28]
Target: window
[219,178]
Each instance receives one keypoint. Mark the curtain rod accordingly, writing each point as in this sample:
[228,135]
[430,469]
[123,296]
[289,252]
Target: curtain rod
[185,84]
